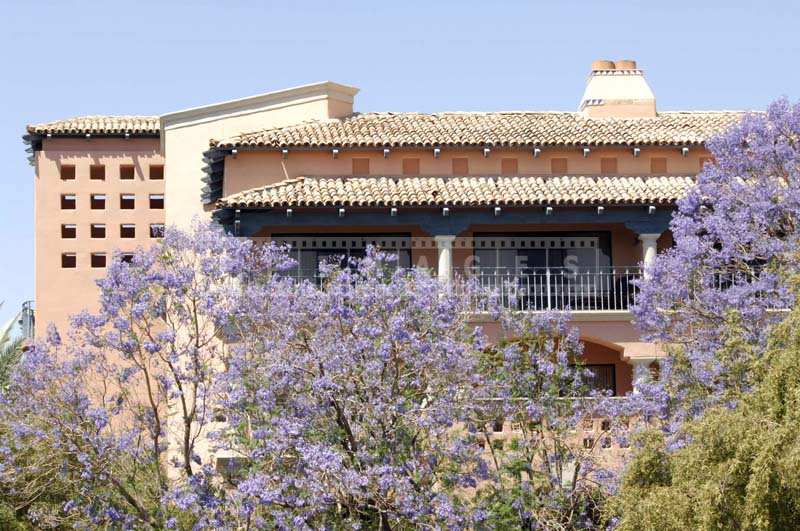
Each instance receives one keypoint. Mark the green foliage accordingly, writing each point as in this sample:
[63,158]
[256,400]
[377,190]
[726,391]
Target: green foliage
[10,349]
[740,468]
[8,519]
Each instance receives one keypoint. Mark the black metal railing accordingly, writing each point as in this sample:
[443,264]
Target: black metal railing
[552,288]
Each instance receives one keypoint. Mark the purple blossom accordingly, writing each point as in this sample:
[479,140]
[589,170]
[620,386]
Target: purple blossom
[735,251]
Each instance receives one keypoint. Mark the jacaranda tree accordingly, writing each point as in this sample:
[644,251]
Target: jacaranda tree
[715,300]
[363,399]
[542,474]
[111,414]
[736,244]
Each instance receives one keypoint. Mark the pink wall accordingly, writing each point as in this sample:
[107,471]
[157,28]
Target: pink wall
[251,169]
[63,292]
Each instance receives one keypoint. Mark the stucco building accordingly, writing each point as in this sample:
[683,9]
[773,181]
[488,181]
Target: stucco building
[554,209]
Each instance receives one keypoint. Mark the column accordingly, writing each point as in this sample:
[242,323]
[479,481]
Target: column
[444,247]
[649,249]
[641,371]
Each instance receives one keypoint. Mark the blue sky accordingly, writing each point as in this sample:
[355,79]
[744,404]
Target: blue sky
[66,58]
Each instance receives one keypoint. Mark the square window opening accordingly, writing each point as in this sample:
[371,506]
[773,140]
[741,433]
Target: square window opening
[558,166]
[509,166]
[127,231]
[68,172]
[360,166]
[156,201]
[98,260]
[97,230]
[127,201]
[156,172]
[97,172]
[608,165]
[69,231]
[127,172]
[410,166]
[156,230]
[460,166]
[98,202]
[69,260]
[68,201]
[658,165]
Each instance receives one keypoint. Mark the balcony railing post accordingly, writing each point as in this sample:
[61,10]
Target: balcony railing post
[548,289]
[547,281]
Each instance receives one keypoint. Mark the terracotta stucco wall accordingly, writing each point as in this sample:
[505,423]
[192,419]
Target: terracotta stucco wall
[62,292]
[251,169]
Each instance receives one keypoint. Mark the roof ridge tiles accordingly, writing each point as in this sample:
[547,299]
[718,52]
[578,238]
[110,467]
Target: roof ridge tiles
[502,128]
[99,124]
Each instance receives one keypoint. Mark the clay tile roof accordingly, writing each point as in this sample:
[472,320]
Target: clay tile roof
[491,129]
[461,191]
[99,125]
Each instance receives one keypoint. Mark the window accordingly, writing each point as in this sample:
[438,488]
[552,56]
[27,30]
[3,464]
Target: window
[558,166]
[98,259]
[68,172]
[127,201]
[156,230]
[127,231]
[410,166]
[658,165]
[528,254]
[97,230]
[608,165]
[509,167]
[603,378]
[68,201]
[69,231]
[97,172]
[157,201]
[126,257]
[98,202]
[127,172]
[461,166]
[156,172]
[311,251]
[360,166]
[68,260]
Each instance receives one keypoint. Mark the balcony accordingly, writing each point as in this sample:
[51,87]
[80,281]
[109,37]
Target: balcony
[531,272]
[584,289]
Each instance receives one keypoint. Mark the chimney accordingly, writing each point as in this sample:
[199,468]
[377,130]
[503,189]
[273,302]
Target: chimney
[617,89]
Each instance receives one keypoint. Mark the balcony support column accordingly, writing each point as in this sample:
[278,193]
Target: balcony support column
[444,249]
[642,372]
[649,250]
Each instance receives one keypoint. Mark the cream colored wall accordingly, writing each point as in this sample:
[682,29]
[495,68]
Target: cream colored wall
[186,134]
[251,169]
[64,292]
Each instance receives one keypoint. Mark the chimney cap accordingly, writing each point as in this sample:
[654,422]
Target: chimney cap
[603,64]
[625,64]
